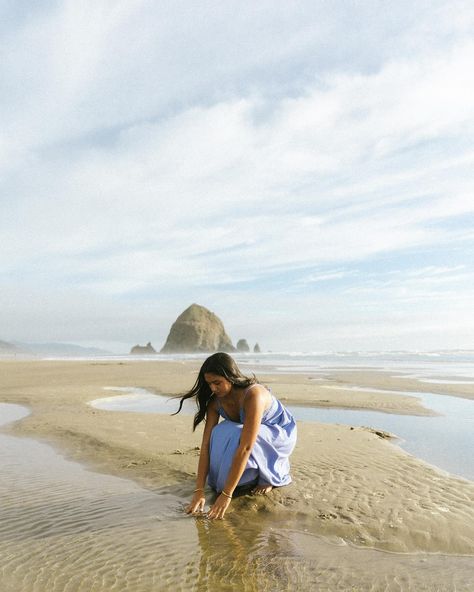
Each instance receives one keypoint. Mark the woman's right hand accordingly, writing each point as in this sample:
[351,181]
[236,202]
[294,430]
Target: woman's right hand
[197,503]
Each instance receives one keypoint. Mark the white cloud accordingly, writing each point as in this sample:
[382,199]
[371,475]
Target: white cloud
[329,275]
[136,154]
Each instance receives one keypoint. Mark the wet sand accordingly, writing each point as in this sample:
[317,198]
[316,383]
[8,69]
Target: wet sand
[354,493]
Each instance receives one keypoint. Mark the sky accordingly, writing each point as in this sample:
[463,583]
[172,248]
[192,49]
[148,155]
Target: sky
[303,169]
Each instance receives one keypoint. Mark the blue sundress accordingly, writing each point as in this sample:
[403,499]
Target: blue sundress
[269,459]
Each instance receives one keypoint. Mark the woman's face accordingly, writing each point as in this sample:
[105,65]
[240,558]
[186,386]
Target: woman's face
[219,385]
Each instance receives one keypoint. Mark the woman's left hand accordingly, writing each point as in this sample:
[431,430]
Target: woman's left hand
[219,507]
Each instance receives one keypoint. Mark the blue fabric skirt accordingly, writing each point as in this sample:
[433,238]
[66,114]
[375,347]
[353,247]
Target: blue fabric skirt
[269,460]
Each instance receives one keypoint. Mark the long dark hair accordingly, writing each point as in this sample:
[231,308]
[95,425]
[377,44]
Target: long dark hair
[223,365]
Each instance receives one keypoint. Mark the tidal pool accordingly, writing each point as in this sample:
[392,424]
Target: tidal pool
[445,440]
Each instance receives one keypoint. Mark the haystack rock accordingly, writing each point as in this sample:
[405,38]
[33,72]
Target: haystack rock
[143,349]
[197,329]
[256,348]
[242,345]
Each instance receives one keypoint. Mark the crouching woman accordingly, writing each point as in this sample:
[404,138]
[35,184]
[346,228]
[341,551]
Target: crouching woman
[250,446]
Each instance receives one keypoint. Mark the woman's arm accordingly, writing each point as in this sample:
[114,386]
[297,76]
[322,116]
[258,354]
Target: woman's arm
[254,407]
[198,501]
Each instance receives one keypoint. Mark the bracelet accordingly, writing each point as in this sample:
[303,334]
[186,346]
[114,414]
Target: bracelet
[226,494]
[198,489]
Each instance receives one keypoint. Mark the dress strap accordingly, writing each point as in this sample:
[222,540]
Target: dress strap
[247,390]
[249,387]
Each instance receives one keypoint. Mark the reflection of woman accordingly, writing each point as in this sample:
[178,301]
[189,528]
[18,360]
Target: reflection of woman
[245,561]
[250,447]
[216,566]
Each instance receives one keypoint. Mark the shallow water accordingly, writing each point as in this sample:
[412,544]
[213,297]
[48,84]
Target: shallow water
[448,365]
[64,528]
[445,441]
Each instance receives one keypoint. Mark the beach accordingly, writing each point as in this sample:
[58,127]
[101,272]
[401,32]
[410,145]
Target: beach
[356,498]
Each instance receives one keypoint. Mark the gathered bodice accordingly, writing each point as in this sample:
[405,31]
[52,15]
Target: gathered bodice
[224,415]
[276,414]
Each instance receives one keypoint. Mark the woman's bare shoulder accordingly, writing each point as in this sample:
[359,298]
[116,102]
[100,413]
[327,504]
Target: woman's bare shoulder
[257,391]
[256,387]
[212,406]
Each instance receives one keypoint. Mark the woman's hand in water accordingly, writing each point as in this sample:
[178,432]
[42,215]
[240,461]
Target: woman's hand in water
[197,503]
[219,507]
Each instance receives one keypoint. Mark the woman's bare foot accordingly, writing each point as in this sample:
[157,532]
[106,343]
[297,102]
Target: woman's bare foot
[262,489]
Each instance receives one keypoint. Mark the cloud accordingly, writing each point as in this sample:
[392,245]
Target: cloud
[174,150]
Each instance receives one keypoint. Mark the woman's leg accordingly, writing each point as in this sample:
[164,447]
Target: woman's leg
[225,439]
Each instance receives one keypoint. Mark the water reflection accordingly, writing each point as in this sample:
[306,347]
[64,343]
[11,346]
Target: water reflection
[257,552]
[445,440]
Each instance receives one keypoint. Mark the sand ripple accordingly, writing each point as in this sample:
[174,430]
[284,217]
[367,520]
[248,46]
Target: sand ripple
[66,529]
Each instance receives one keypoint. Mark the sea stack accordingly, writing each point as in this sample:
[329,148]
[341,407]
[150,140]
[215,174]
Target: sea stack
[197,329]
[242,345]
[143,349]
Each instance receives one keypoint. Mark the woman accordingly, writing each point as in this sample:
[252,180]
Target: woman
[250,447]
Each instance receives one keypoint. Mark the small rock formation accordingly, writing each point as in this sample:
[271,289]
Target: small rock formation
[256,348]
[143,349]
[242,345]
[197,329]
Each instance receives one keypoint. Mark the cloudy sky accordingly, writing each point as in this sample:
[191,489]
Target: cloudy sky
[303,169]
